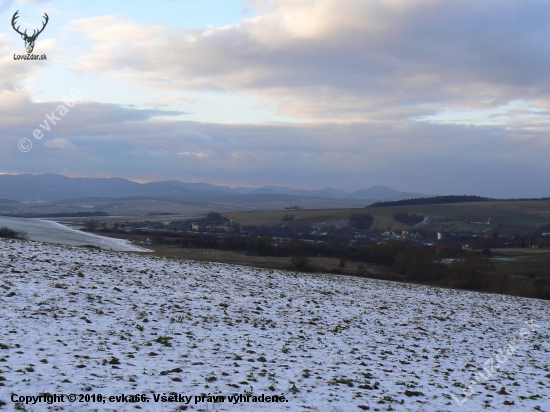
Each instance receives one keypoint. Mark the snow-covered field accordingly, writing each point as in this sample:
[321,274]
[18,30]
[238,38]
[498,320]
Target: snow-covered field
[53,232]
[77,321]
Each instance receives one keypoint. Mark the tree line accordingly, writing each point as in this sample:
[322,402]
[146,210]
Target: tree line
[436,200]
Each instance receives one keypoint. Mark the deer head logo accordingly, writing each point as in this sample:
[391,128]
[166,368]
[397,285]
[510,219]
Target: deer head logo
[29,40]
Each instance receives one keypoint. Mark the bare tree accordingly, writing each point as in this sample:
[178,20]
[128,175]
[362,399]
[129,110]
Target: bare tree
[91,225]
[300,262]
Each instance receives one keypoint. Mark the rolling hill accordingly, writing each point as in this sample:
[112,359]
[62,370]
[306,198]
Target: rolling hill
[52,187]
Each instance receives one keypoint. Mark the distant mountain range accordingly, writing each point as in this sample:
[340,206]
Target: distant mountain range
[53,188]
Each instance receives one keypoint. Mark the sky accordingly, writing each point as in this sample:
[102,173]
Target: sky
[431,96]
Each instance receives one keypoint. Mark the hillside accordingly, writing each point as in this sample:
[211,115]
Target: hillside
[505,217]
[93,322]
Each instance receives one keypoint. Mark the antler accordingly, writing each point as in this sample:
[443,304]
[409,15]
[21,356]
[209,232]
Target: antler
[43,25]
[35,33]
[15,17]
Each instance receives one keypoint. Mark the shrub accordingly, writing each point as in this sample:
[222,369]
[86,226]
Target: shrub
[417,264]
[362,221]
[499,282]
[91,225]
[541,288]
[215,217]
[300,262]
[7,233]
[472,272]
[342,262]
[410,220]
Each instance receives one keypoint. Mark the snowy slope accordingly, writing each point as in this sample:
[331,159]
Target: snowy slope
[53,232]
[98,322]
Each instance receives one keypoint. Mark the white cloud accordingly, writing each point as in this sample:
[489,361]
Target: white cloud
[343,60]
[59,143]
[108,140]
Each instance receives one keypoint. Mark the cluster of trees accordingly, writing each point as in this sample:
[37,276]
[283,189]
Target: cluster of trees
[410,220]
[415,263]
[91,225]
[406,261]
[216,218]
[426,265]
[454,268]
[253,245]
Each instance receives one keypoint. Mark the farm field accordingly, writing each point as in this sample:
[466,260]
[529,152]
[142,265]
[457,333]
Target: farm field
[524,262]
[262,217]
[139,208]
[102,322]
[506,217]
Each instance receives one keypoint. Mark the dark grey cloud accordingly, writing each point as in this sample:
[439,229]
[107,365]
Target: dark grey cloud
[360,71]
[109,140]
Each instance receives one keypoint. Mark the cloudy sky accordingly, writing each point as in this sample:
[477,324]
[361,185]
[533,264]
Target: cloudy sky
[434,96]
